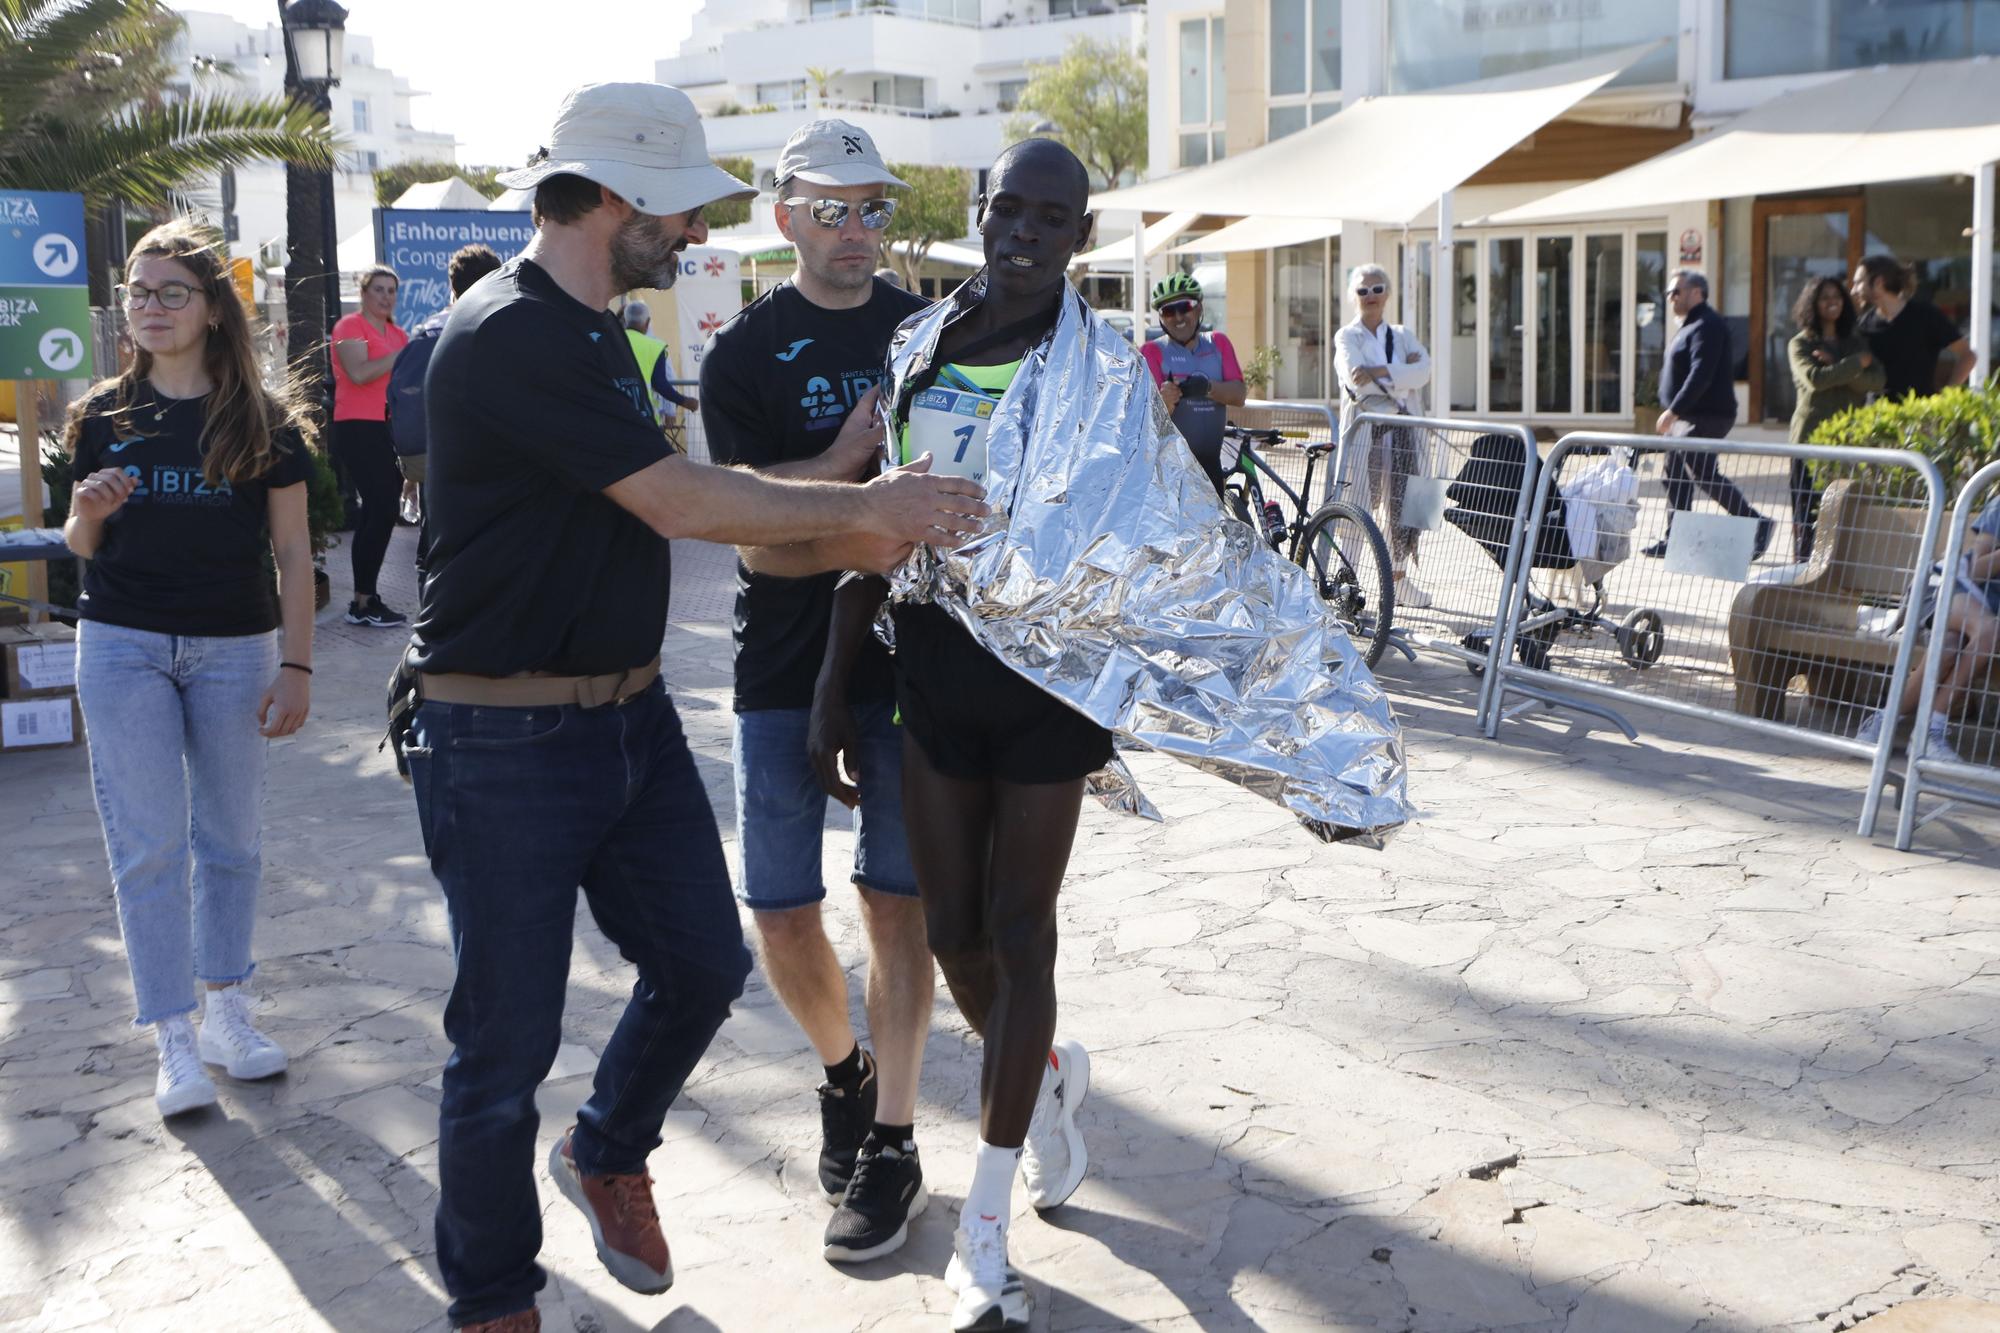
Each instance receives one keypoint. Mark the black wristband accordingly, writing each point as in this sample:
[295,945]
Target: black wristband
[297,666]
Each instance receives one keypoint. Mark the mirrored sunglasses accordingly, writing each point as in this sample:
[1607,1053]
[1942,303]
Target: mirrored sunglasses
[1373,289]
[170,295]
[875,213]
[1175,309]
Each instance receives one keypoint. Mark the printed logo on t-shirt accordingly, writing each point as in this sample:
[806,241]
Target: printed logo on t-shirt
[796,348]
[827,403]
[168,484]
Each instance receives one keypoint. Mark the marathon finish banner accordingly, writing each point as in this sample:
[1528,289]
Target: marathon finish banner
[419,242]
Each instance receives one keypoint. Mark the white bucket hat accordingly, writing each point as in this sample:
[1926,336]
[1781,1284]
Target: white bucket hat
[643,141]
[832,152]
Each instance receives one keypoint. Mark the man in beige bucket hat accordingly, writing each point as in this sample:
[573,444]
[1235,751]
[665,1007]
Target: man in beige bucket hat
[544,750]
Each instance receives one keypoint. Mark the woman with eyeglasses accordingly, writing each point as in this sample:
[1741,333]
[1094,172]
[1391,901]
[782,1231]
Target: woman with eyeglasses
[189,474]
[365,347]
[1380,366]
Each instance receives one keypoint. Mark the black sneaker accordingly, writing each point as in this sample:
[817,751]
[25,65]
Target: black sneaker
[845,1117]
[373,612]
[886,1190]
[1657,551]
[1765,528]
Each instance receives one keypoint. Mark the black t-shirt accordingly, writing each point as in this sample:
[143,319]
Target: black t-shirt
[1908,347]
[777,381]
[180,556]
[535,405]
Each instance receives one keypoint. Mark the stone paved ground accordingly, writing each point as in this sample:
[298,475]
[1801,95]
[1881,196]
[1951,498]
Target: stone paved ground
[1622,1039]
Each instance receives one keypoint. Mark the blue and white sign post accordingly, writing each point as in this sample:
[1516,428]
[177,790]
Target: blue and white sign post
[44,323]
[419,242]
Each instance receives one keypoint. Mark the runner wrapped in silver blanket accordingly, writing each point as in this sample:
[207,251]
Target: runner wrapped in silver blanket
[1109,576]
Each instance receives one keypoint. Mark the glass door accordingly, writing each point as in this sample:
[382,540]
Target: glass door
[1793,242]
[1507,325]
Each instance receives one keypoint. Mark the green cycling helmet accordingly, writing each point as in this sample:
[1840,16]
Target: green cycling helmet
[1175,287]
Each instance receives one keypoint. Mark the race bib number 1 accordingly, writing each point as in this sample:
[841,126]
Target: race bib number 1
[951,427]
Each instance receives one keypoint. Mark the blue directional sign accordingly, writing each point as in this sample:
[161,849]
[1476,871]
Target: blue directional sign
[44,287]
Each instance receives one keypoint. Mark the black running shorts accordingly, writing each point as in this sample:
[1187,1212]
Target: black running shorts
[975,719]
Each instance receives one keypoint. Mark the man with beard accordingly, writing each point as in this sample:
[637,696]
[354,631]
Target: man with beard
[778,379]
[544,752]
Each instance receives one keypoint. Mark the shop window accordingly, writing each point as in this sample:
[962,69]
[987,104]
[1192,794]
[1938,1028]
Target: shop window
[1603,323]
[1766,37]
[1649,314]
[1302,319]
[1458,41]
[1555,322]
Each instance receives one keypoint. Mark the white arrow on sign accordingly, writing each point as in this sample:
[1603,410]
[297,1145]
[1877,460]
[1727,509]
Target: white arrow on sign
[56,255]
[61,350]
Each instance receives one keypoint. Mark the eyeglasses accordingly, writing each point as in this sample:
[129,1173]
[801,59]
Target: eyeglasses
[1373,289]
[830,213]
[170,295]
[1175,309]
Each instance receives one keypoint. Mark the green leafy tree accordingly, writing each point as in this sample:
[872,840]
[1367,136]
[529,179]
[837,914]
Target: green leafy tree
[83,107]
[732,212]
[932,210]
[390,182]
[1095,96]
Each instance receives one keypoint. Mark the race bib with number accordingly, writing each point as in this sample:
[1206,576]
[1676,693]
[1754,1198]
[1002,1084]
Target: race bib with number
[950,425]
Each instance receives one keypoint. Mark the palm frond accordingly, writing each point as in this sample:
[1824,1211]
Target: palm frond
[145,153]
[41,42]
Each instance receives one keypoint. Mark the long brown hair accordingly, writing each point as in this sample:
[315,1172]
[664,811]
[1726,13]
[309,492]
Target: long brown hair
[244,414]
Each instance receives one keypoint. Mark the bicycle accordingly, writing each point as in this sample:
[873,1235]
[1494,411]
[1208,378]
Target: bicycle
[1338,544]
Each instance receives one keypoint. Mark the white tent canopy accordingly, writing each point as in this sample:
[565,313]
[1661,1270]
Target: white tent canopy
[1118,254]
[1260,234]
[452,192]
[1896,122]
[1381,159]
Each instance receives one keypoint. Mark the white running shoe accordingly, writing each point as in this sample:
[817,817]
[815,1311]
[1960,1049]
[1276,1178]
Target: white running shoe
[991,1295]
[183,1085]
[1870,730]
[1053,1158]
[1410,593]
[1937,740]
[229,1039]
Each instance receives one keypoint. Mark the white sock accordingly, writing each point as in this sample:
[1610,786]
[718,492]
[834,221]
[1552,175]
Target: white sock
[992,1194]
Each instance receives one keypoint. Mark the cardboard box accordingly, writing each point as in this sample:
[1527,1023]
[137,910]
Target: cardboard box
[40,724]
[40,661]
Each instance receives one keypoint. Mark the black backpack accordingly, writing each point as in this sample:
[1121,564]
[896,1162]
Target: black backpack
[406,390]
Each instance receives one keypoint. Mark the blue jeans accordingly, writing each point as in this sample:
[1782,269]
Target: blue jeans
[520,807]
[781,808]
[178,768]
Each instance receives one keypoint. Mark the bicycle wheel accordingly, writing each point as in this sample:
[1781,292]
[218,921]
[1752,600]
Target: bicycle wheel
[1344,552]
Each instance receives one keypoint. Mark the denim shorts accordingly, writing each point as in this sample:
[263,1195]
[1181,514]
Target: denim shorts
[781,810]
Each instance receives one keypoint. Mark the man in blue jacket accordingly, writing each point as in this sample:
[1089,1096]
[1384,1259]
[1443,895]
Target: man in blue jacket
[1697,389]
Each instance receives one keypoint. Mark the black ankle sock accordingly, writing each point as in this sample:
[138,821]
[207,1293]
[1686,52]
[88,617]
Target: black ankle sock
[848,1072]
[900,1137]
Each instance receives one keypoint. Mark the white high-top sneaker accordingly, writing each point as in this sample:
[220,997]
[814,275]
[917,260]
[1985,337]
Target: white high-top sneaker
[182,1085]
[229,1039]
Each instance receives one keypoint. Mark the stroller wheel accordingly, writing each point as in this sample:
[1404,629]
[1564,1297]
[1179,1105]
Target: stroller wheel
[1642,637]
[1476,643]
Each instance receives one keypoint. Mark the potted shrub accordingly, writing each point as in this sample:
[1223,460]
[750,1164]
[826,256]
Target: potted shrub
[1957,428]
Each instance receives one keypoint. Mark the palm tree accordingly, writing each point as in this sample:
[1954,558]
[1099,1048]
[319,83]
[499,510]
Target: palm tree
[82,108]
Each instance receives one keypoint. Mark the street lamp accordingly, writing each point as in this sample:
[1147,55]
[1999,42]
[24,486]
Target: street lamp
[315,48]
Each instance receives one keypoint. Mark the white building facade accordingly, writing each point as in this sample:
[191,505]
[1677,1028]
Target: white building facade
[372,112]
[933,81]
[1565,322]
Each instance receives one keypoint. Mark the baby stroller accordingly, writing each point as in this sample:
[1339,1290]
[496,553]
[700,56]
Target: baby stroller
[1592,512]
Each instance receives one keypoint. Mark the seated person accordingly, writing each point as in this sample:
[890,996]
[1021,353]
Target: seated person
[1197,372]
[1972,637]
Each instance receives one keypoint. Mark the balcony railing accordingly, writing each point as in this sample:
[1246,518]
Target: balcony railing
[846,104]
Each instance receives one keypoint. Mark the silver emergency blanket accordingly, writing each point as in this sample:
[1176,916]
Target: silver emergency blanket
[1110,577]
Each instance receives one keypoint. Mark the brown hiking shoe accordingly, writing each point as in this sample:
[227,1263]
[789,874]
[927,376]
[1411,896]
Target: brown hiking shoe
[524,1321]
[623,1221]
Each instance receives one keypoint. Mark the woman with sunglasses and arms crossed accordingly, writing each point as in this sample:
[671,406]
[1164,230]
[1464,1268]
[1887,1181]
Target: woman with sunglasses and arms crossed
[183,465]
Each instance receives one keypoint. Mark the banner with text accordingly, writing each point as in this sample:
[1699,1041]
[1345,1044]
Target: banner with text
[44,287]
[419,242]
[707,294]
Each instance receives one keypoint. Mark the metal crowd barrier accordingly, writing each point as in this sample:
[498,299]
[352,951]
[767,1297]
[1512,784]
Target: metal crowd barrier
[1452,496]
[1301,424]
[1726,622]
[1970,770]
[686,431]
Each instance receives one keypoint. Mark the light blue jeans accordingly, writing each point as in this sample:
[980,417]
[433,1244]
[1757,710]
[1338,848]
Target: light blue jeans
[179,771]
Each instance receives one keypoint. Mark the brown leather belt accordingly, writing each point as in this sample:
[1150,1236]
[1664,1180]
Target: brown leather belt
[535,690]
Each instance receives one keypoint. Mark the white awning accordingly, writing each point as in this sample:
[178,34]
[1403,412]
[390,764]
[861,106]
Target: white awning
[1260,234]
[1896,122]
[1118,254]
[1381,159]
[451,192]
